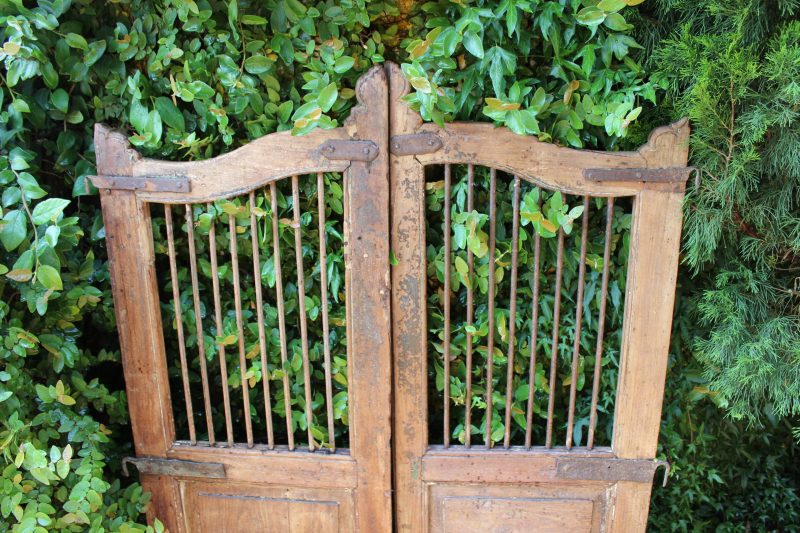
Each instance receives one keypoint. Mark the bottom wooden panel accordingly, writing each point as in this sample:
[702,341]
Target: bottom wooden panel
[516,514]
[227,508]
[524,508]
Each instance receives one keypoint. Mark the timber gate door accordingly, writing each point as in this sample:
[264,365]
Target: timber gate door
[330,391]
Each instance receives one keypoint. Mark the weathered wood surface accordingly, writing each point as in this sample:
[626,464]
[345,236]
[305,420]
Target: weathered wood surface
[133,283]
[369,340]
[390,477]
[409,318]
[550,166]
[653,174]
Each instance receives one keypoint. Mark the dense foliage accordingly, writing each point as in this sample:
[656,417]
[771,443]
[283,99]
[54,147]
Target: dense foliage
[470,236]
[732,67]
[190,79]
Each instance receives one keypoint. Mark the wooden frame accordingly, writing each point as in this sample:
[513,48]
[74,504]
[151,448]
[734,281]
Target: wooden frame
[648,304]
[382,150]
[127,186]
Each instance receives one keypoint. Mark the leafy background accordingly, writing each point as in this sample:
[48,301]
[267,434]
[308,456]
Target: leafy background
[191,79]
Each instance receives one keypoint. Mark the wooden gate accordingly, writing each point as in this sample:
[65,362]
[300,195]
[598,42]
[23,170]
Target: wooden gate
[237,405]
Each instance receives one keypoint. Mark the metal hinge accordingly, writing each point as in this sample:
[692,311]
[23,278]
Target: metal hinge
[652,175]
[143,183]
[343,149]
[174,467]
[415,144]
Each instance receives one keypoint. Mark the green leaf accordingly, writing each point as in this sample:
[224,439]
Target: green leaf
[473,44]
[60,100]
[14,229]
[49,277]
[76,41]
[31,187]
[201,90]
[138,116]
[590,16]
[48,210]
[616,22]
[170,113]
[95,52]
[538,100]
[343,64]
[253,20]
[327,97]
[258,64]
[610,6]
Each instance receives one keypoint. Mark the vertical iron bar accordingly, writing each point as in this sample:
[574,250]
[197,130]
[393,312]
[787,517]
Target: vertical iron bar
[323,281]
[237,298]
[576,347]
[601,322]
[276,258]
[554,350]
[176,297]
[201,344]
[534,333]
[223,364]
[470,311]
[512,313]
[262,338]
[301,306]
[446,343]
[490,336]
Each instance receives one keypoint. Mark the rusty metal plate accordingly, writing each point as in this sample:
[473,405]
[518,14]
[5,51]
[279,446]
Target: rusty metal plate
[174,467]
[143,183]
[653,175]
[602,469]
[415,143]
[342,149]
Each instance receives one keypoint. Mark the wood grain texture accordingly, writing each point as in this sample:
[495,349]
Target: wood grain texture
[462,515]
[409,317]
[598,495]
[262,161]
[279,467]
[244,508]
[547,165]
[513,465]
[131,265]
[649,301]
[368,289]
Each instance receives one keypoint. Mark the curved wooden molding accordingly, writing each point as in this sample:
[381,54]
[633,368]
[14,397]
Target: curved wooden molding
[264,160]
[279,155]
[555,167]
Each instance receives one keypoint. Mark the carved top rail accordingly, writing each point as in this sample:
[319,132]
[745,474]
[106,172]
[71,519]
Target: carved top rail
[658,164]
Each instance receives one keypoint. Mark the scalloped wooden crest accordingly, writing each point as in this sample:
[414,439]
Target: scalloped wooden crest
[253,164]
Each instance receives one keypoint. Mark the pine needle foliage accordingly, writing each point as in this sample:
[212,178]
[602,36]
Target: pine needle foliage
[733,67]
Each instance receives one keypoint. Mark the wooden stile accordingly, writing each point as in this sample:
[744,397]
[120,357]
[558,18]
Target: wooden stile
[383,474]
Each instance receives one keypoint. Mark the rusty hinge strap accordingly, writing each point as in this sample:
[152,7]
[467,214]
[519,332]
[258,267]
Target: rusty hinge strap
[143,183]
[602,469]
[415,144]
[174,467]
[343,149]
[652,175]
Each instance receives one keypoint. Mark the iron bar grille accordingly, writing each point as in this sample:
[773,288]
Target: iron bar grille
[254,314]
[548,364]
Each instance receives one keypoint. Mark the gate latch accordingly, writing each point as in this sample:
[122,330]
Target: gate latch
[174,467]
